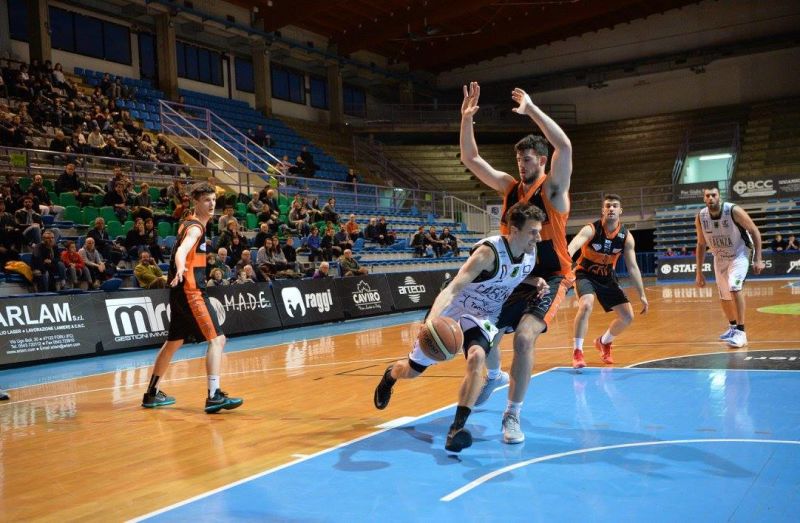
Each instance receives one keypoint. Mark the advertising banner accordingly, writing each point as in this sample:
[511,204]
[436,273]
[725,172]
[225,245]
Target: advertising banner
[411,291]
[301,302]
[683,267]
[690,192]
[364,296]
[133,319]
[245,307]
[763,187]
[788,186]
[45,327]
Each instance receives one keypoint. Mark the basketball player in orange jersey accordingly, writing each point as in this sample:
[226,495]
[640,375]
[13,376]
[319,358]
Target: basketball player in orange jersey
[191,312]
[601,244]
[524,312]
[474,299]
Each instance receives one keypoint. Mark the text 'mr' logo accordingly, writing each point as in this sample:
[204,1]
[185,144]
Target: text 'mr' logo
[136,315]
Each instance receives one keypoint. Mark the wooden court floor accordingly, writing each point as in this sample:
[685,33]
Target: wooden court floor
[84,449]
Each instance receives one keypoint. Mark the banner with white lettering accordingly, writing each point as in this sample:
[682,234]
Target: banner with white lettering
[364,296]
[242,308]
[788,186]
[683,267]
[757,188]
[46,327]
[690,192]
[133,319]
[301,302]
[415,290]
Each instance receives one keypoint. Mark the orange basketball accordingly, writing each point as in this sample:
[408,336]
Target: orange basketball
[441,339]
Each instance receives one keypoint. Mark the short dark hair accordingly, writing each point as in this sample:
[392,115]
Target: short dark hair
[521,212]
[532,141]
[714,187]
[200,189]
[612,196]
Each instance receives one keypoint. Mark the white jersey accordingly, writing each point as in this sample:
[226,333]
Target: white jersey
[725,237]
[485,296]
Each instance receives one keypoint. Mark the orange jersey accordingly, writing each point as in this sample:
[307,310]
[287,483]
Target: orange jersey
[194,278]
[552,255]
[600,254]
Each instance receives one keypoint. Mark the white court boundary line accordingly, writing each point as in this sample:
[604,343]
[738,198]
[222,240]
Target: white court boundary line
[483,479]
[295,462]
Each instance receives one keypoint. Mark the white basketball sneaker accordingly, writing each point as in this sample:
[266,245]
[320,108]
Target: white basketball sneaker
[490,385]
[728,333]
[512,433]
[738,339]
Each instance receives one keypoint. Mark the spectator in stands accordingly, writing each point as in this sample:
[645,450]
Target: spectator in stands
[256,206]
[237,249]
[308,160]
[330,249]
[12,204]
[97,144]
[10,237]
[290,253]
[113,150]
[216,278]
[38,190]
[228,235]
[69,182]
[48,271]
[371,231]
[117,177]
[322,271]
[136,239]
[298,168]
[60,144]
[183,208]
[432,240]
[262,234]
[247,275]
[385,236]
[350,266]
[118,200]
[122,136]
[151,233]
[176,191]
[449,242]
[259,136]
[147,272]
[77,274]
[104,243]
[59,80]
[314,212]
[222,263]
[352,228]
[669,252]
[271,200]
[276,257]
[29,222]
[314,245]
[418,242]
[778,244]
[329,213]
[143,203]
[298,219]
[792,243]
[226,218]
[685,252]
[15,188]
[245,258]
[93,260]
[342,239]
[79,143]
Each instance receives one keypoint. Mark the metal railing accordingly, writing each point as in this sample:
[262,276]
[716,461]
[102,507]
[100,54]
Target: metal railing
[496,114]
[399,170]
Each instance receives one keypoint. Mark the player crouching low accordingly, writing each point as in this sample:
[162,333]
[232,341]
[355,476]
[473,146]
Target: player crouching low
[473,298]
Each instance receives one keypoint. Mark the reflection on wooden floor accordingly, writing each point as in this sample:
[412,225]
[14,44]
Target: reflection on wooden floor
[85,449]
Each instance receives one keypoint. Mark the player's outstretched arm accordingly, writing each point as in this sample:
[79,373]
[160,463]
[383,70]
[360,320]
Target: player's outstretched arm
[580,239]
[497,180]
[741,217]
[482,259]
[700,254]
[629,251]
[561,162]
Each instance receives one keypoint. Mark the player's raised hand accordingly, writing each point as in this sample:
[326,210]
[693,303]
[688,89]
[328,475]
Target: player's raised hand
[521,97]
[471,95]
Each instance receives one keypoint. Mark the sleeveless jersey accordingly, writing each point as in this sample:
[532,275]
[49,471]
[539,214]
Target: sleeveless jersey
[194,278]
[725,237]
[600,254]
[485,296]
[552,256]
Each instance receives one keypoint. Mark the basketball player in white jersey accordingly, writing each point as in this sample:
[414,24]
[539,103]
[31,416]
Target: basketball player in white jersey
[729,232]
[474,298]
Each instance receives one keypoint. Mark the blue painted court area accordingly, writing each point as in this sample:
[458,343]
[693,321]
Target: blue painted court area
[605,445]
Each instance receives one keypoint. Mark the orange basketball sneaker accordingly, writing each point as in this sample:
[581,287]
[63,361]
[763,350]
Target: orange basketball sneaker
[577,359]
[605,350]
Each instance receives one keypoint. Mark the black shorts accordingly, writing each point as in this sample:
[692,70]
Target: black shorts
[523,301]
[191,315]
[607,290]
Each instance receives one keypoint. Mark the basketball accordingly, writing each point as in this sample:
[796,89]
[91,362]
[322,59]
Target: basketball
[441,339]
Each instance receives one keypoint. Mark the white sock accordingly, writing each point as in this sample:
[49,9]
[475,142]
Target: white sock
[213,385]
[607,337]
[514,407]
[578,343]
[494,373]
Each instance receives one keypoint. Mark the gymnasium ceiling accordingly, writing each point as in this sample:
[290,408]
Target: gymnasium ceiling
[439,35]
